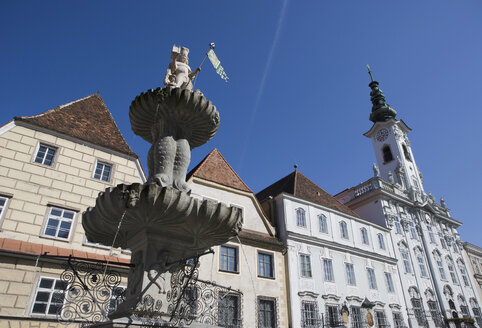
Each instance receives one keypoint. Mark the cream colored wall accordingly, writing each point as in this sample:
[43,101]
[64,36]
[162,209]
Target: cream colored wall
[68,183]
[252,219]
[246,280]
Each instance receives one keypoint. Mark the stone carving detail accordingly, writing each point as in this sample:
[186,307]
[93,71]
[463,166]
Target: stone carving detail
[399,135]
[174,121]
[389,220]
[442,202]
[376,170]
[390,177]
[179,73]
[404,223]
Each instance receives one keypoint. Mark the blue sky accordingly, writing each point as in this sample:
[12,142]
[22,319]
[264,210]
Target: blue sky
[298,89]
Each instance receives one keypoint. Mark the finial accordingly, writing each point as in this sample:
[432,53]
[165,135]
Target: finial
[295,166]
[212,45]
[370,72]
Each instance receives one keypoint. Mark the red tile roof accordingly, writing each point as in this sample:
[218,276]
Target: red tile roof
[300,186]
[25,247]
[216,169]
[86,119]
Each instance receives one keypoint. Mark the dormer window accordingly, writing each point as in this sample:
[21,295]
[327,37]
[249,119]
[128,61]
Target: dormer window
[406,153]
[387,154]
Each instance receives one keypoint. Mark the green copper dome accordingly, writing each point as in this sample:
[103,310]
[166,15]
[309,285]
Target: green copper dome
[381,111]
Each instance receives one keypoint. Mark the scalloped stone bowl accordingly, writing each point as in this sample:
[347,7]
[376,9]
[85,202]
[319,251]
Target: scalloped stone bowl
[188,225]
[188,110]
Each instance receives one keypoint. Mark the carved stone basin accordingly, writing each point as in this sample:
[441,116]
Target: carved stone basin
[167,213]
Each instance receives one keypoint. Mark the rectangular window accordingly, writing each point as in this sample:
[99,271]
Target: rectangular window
[49,296]
[381,319]
[344,230]
[413,231]
[430,234]
[364,235]
[434,312]
[228,259]
[389,282]
[421,264]
[398,320]
[350,274]
[309,315]
[45,154]
[477,315]
[372,281]
[356,318]
[323,223]
[464,275]
[300,217]
[442,240]
[266,312]
[229,310]
[103,171]
[305,264]
[381,241]
[59,223]
[3,206]
[406,262]
[328,270]
[441,269]
[398,227]
[265,265]
[333,316]
[418,311]
[465,311]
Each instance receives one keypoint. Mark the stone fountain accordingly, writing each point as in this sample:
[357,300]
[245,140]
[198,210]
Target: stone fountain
[159,221]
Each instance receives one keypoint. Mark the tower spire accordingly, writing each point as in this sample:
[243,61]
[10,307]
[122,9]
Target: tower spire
[381,111]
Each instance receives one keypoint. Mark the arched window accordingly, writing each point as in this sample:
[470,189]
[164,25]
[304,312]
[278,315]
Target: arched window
[417,306]
[405,257]
[450,265]
[300,217]
[406,153]
[421,262]
[387,154]
[364,236]
[344,230]
[381,241]
[463,272]
[323,223]
[440,265]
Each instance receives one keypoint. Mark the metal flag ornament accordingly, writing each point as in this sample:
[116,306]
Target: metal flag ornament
[216,62]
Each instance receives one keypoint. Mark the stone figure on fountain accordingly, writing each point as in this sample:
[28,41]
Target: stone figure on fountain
[179,73]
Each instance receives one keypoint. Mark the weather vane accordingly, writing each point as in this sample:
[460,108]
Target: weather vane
[370,72]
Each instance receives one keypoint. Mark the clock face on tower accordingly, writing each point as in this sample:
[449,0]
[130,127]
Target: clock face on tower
[381,135]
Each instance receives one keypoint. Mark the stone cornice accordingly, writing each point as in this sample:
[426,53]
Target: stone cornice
[381,193]
[340,247]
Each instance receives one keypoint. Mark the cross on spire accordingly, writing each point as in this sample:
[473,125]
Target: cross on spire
[370,72]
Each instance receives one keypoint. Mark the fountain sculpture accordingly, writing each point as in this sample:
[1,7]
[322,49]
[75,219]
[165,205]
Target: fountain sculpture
[159,221]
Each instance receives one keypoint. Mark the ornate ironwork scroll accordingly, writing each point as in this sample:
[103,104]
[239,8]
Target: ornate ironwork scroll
[92,292]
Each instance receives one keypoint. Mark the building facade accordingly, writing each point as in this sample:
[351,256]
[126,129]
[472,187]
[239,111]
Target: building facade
[473,254]
[433,272]
[52,167]
[252,265]
[340,268]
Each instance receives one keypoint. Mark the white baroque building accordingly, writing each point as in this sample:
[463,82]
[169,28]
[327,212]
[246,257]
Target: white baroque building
[436,285]
[341,269]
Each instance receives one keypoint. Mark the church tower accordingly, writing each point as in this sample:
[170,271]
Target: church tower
[394,156]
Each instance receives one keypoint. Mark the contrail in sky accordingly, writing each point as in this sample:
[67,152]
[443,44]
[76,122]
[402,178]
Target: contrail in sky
[263,79]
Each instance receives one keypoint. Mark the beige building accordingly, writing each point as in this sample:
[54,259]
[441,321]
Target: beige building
[52,167]
[473,255]
[253,265]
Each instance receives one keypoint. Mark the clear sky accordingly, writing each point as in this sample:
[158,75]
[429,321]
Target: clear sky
[298,88]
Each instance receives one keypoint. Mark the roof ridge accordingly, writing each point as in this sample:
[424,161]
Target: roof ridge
[198,167]
[48,111]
